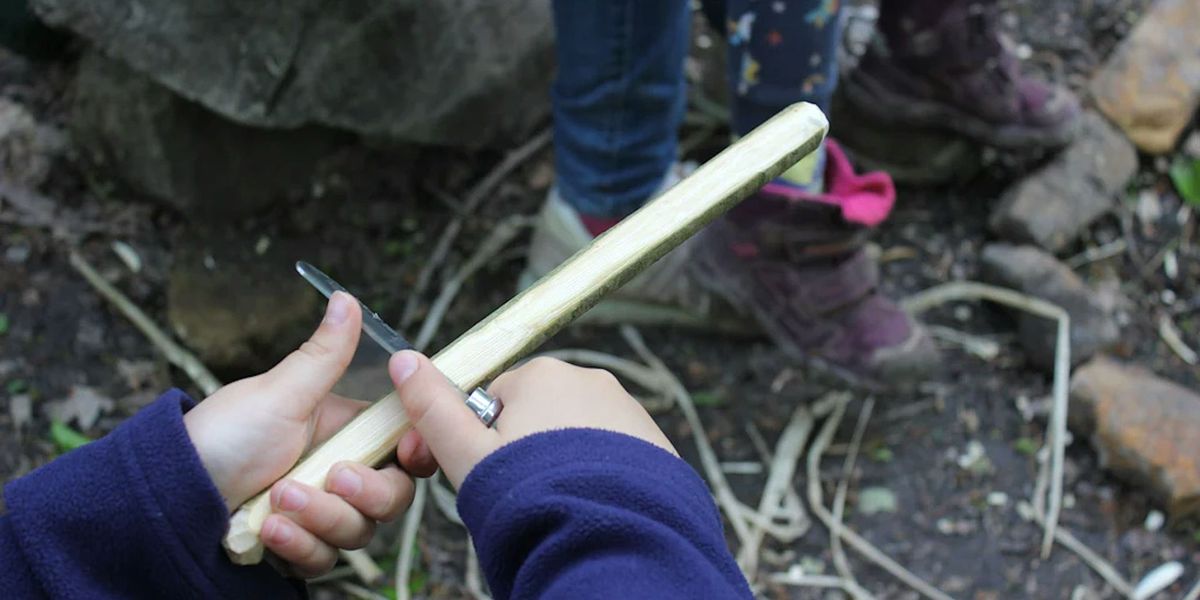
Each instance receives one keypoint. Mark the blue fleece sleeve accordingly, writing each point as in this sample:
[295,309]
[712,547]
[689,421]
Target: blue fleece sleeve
[131,515]
[583,513]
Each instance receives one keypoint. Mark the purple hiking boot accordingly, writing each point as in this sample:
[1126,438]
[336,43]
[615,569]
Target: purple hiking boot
[946,65]
[795,262]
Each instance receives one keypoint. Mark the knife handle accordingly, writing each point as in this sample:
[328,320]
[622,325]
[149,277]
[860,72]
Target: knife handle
[525,321]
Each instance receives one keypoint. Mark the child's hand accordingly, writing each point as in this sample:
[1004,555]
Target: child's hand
[251,432]
[542,395]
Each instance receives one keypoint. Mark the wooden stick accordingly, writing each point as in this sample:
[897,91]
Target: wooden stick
[527,320]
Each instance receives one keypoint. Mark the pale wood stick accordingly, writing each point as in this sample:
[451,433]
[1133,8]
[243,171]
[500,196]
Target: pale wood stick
[527,320]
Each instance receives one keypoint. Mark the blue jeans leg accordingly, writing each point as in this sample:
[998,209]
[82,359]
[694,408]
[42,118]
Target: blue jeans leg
[618,98]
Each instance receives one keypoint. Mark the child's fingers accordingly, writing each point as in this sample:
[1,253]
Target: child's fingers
[303,378]
[414,455]
[378,494]
[453,432]
[307,555]
[322,514]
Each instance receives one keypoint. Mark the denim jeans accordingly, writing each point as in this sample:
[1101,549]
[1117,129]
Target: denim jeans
[619,95]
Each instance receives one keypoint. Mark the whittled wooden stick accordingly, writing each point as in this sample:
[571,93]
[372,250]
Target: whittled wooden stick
[528,319]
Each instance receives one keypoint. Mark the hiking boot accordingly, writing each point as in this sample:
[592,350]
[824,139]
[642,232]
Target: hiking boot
[949,67]
[795,261]
[785,262]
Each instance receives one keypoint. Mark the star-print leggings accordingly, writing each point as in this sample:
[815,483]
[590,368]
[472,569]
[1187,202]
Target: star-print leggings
[779,53]
[619,95]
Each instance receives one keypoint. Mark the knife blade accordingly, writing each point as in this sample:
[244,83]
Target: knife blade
[372,323]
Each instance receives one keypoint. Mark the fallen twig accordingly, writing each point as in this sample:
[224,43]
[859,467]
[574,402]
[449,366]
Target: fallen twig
[1194,593]
[1057,436]
[364,566]
[444,499]
[860,544]
[358,591]
[1170,335]
[503,233]
[978,346]
[408,539]
[643,376]
[708,458]
[174,353]
[477,195]
[1091,255]
[840,562]
[799,579]
[783,467]
[1070,542]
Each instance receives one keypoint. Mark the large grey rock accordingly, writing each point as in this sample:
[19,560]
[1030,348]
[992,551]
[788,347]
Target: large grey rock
[446,71]
[1029,270]
[239,310]
[1051,206]
[179,153]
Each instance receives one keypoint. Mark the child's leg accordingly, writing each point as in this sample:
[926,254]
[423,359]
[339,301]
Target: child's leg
[780,53]
[618,100]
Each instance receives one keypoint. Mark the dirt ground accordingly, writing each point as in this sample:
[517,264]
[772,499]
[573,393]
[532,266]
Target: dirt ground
[372,216]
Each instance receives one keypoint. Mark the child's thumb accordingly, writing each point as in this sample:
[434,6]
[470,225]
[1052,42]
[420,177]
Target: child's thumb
[305,376]
[437,409]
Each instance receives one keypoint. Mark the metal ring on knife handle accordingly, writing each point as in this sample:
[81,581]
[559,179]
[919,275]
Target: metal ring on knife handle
[485,406]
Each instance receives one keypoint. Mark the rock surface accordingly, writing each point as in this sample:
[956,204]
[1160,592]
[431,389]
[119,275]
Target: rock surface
[1051,206]
[1143,427]
[1150,86]
[180,154]
[1034,272]
[240,312]
[464,72]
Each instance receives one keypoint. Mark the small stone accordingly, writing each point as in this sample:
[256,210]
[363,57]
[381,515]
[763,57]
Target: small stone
[1150,86]
[27,148]
[975,459]
[1031,271]
[17,253]
[20,410]
[1154,520]
[1143,428]
[874,500]
[962,313]
[1051,206]
[1025,510]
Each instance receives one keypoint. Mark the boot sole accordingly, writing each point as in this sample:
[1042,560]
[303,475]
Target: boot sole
[887,106]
